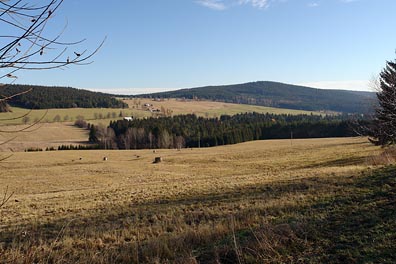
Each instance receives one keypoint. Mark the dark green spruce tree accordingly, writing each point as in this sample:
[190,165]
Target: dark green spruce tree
[93,134]
[383,131]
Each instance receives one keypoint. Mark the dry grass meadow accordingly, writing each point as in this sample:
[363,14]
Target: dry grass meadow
[306,201]
[56,127]
[210,108]
[136,109]
[42,136]
[67,115]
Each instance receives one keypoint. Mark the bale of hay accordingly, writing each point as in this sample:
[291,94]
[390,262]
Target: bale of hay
[157,160]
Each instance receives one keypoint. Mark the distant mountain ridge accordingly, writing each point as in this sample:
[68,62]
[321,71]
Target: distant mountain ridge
[281,95]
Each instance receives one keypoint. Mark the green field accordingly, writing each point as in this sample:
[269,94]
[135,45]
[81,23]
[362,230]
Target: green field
[67,115]
[305,201]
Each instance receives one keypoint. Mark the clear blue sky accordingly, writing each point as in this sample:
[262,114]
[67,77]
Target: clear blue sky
[168,44]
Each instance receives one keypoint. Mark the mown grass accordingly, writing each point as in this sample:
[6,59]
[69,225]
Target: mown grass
[67,115]
[105,115]
[316,201]
[55,129]
[42,136]
[211,108]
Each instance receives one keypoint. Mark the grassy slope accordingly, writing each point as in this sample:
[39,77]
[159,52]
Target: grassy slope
[50,133]
[315,201]
[42,136]
[53,134]
[281,95]
[178,107]
[72,114]
[210,108]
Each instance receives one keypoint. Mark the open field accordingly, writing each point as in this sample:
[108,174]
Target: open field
[210,108]
[69,114]
[56,128]
[312,201]
[105,115]
[42,136]
[54,131]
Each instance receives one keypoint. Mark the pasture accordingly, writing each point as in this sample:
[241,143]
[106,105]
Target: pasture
[103,115]
[308,201]
[210,108]
[136,109]
[56,125]
[41,136]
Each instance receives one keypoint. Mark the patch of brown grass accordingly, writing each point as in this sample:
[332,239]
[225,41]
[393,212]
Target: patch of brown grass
[42,136]
[210,108]
[386,157]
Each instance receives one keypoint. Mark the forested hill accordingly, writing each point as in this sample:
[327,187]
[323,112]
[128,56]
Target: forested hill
[280,95]
[43,97]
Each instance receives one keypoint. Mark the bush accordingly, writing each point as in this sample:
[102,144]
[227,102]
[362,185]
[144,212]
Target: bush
[81,123]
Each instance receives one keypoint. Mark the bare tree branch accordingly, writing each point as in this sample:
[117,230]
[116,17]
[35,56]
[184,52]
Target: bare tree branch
[7,195]
[18,117]
[26,129]
[25,44]
[30,22]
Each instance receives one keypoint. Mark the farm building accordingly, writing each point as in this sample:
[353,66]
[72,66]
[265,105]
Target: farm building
[128,118]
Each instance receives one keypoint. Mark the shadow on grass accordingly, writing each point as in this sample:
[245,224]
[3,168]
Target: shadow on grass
[351,161]
[344,220]
[359,227]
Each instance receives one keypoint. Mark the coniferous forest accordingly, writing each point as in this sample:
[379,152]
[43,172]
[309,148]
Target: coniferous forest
[281,95]
[192,131]
[43,97]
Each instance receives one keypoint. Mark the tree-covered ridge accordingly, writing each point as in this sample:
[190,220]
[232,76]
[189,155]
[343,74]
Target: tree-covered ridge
[280,95]
[42,97]
[192,131]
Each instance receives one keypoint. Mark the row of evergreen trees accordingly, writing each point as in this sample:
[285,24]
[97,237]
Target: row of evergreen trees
[192,131]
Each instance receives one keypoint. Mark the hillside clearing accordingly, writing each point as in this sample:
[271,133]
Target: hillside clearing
[68,115]
[201,205]
[42,136]
[210,108]
[137,110]
[56,128]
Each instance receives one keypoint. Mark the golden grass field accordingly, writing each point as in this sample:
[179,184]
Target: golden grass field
[42,136]
[50,133]
[68,114]
[272,201]
[93,115]
[211,108]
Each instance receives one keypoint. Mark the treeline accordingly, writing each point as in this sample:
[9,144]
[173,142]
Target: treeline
[281,95]
[192,131]
[42,97]
[63,147]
